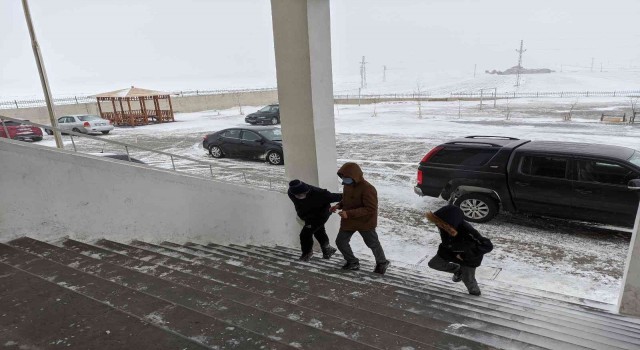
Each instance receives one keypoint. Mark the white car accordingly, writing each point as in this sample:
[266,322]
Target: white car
[86,124]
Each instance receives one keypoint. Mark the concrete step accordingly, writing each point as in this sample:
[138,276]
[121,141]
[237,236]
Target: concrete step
[226,285]
[168,316]
[356,294]
[270,286]
[559,330]
[272,326]
[500,288]
[554,308]
[38,314]
[557,309]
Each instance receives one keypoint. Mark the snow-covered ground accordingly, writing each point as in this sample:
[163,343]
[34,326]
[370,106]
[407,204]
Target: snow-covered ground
[389,139]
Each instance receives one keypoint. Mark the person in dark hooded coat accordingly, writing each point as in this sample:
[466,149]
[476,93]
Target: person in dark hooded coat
[359,207]
[312,206]
[462,247]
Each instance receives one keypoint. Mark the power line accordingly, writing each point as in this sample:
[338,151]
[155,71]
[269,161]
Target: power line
[363,73]
[519,67]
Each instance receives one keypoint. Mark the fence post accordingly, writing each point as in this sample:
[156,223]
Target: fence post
[211,170]
[16,102]
[614,93]
[126,148]
[73,143]
[173,164]
[481,96]
[587,93]
[76,97]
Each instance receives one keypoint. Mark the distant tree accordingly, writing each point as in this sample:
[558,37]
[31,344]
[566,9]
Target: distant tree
[634,109]
[507,109]
[237,95]
[567,116]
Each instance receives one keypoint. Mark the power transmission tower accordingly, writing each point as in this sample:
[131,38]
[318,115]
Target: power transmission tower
[363,73]
[520,52]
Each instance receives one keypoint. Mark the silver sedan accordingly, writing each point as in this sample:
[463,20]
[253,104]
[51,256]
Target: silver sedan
[84,123]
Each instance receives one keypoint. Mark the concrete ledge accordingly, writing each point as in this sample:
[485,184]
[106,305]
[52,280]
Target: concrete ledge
[49,193]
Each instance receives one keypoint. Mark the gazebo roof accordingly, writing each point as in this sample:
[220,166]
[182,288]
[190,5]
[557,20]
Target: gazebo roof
[131,92]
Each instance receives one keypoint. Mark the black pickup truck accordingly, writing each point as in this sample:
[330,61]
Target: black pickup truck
[578,181]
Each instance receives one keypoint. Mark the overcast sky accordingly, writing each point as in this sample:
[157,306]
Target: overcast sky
[96,45]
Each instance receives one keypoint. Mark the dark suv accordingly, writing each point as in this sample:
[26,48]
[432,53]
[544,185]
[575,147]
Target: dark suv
[577,181]
[266,115]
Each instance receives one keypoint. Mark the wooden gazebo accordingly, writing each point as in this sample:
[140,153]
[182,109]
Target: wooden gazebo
[130,106]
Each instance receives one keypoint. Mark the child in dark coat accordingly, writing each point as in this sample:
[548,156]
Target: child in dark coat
[462,247]
[312,206]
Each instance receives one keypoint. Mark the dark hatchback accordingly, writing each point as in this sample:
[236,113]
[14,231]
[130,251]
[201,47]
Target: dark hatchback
[269,115]
[253,142]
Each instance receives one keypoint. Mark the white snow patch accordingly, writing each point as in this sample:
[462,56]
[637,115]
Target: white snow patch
[315,323]
[454,327]
[296,345]
[293,317]
[235,262]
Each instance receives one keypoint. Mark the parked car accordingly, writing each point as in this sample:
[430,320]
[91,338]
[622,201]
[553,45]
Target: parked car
[258,142]
[86,124]
[577,181]
[266,115]
[19,131]
[119,156]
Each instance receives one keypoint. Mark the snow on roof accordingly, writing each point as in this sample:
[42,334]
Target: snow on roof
[131,92]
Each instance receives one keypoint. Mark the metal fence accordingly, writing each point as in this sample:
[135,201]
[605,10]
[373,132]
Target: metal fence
[11,104]
[541,94]
[167,161]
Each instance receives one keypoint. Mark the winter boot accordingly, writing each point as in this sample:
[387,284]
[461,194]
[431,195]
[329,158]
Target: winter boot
[306,256]
[381,268]
[475,291]
[351,266]
[457,276]
[328,251]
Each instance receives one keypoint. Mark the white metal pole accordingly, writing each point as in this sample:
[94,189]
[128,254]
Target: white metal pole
[43,75]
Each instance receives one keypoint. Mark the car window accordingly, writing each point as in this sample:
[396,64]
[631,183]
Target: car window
[604,172]
[250,136]
[272,134]
[544,166]
[265,109]
[86,118]
[274,109]
[232,134]
[463,156]
[62,120]
[71,120]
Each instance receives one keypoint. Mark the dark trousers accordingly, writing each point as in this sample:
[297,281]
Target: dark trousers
[370,239]
[468,273]
[307,234]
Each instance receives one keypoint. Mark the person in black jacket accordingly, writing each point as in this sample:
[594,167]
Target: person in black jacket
[312,206]
[462,247]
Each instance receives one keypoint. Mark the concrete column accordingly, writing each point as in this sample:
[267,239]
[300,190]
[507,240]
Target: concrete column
[302,38]
[629,299]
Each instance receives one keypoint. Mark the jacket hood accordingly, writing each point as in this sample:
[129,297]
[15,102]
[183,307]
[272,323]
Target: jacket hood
[451,214]
[351,170]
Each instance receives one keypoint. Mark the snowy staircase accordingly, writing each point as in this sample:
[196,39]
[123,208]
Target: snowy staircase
[110,295]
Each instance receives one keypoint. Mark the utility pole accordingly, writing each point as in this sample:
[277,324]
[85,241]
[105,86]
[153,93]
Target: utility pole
[475,66]
[384,74]
[43,75]
[520,52]
[363,73]
[592,59]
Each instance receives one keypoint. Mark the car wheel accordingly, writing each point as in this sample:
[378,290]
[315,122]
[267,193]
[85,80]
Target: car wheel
[275,158]
[477,207]
[106,132]
[76,130]
[216,152]
[48,131]
[274,120]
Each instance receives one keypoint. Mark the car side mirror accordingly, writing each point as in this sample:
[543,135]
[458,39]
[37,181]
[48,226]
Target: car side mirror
[634,185]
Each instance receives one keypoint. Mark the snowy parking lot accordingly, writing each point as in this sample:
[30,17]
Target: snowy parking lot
[389,140]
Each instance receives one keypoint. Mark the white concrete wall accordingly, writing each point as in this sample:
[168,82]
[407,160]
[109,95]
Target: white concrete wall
[48,193]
